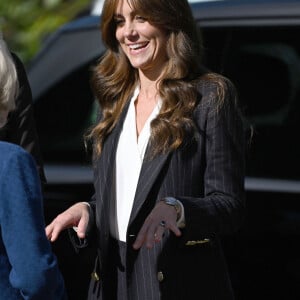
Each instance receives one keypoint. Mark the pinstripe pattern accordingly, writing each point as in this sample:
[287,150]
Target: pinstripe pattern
[206,175]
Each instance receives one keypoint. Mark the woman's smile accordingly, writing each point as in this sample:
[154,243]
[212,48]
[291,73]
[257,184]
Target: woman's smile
[143,43]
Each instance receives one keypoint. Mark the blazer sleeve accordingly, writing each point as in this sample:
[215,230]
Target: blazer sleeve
[34,269]
[21,128]
[221,210]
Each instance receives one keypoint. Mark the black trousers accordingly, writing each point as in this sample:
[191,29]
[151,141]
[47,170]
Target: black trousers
[115,285]
[139,282]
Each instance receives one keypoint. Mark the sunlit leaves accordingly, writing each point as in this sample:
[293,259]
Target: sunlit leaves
[26,23]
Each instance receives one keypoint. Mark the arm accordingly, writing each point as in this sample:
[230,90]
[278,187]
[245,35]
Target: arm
[221,210]
[34,268]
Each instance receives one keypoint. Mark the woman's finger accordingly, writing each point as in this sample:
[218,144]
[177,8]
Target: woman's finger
[76,215]
[82,226]
[160,231]
[140,238]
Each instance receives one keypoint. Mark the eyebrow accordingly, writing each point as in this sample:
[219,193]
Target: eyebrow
[118,15]
[132,13]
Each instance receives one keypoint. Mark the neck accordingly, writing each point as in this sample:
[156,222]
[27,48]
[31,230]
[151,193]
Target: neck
[148,88]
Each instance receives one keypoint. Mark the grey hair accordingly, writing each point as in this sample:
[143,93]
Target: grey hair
[9,85]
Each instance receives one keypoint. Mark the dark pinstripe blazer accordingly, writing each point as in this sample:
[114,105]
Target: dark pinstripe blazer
[207,175]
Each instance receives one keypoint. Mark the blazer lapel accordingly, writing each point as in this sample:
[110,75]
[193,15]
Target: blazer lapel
[104,178]
[106,163]
[149,173]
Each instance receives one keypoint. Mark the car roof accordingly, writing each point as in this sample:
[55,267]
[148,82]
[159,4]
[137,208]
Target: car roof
[70,47]
[247,12]
[79,41]
[237,11]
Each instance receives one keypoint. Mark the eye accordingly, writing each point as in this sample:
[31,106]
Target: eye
[140,18]
[118,21]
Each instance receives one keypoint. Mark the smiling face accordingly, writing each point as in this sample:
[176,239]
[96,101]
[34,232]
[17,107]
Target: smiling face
[143,43]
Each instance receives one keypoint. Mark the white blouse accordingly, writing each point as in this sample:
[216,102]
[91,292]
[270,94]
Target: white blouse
[129,158]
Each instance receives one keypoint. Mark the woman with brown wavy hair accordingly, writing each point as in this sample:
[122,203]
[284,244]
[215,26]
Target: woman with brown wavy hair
[168,160]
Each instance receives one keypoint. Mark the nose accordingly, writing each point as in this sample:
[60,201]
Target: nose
[129,29]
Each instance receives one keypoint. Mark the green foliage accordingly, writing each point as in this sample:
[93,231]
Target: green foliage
[26,23]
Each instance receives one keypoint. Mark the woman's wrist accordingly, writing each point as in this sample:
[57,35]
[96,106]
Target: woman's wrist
[178,208]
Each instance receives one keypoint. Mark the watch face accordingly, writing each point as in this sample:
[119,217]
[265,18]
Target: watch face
[174,203]
[170,201]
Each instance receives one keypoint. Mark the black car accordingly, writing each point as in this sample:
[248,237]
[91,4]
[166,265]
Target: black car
[254,43]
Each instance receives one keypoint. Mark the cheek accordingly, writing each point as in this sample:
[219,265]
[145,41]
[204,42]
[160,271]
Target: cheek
[118,35]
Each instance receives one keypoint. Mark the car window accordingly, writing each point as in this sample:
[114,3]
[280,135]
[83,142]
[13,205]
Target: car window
[63,115]
[264,64]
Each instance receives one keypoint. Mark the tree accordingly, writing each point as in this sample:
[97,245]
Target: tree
[25,24]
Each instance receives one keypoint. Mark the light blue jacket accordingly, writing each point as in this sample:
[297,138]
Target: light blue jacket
[28,268]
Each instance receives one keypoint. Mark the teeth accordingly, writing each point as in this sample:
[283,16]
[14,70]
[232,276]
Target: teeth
[136,46]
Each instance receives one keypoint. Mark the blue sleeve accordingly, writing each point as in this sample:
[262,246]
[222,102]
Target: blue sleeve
[34,267]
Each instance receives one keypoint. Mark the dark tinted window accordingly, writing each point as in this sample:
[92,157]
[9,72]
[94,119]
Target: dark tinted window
[63,115]
[264,64]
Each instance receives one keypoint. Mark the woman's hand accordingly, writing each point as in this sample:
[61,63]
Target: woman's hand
[163,217]
[77,215]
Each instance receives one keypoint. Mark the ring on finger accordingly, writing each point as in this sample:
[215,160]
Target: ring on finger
[162,223]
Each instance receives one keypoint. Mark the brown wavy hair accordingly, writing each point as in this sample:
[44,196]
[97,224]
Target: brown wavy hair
[114,78]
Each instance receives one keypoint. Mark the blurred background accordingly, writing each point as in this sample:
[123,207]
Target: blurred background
[26,24]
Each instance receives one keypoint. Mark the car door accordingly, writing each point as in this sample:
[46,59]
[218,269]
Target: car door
[263,61]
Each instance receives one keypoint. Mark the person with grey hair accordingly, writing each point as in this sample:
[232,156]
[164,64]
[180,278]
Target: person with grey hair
[8,84]
[20,127]
[28,268]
